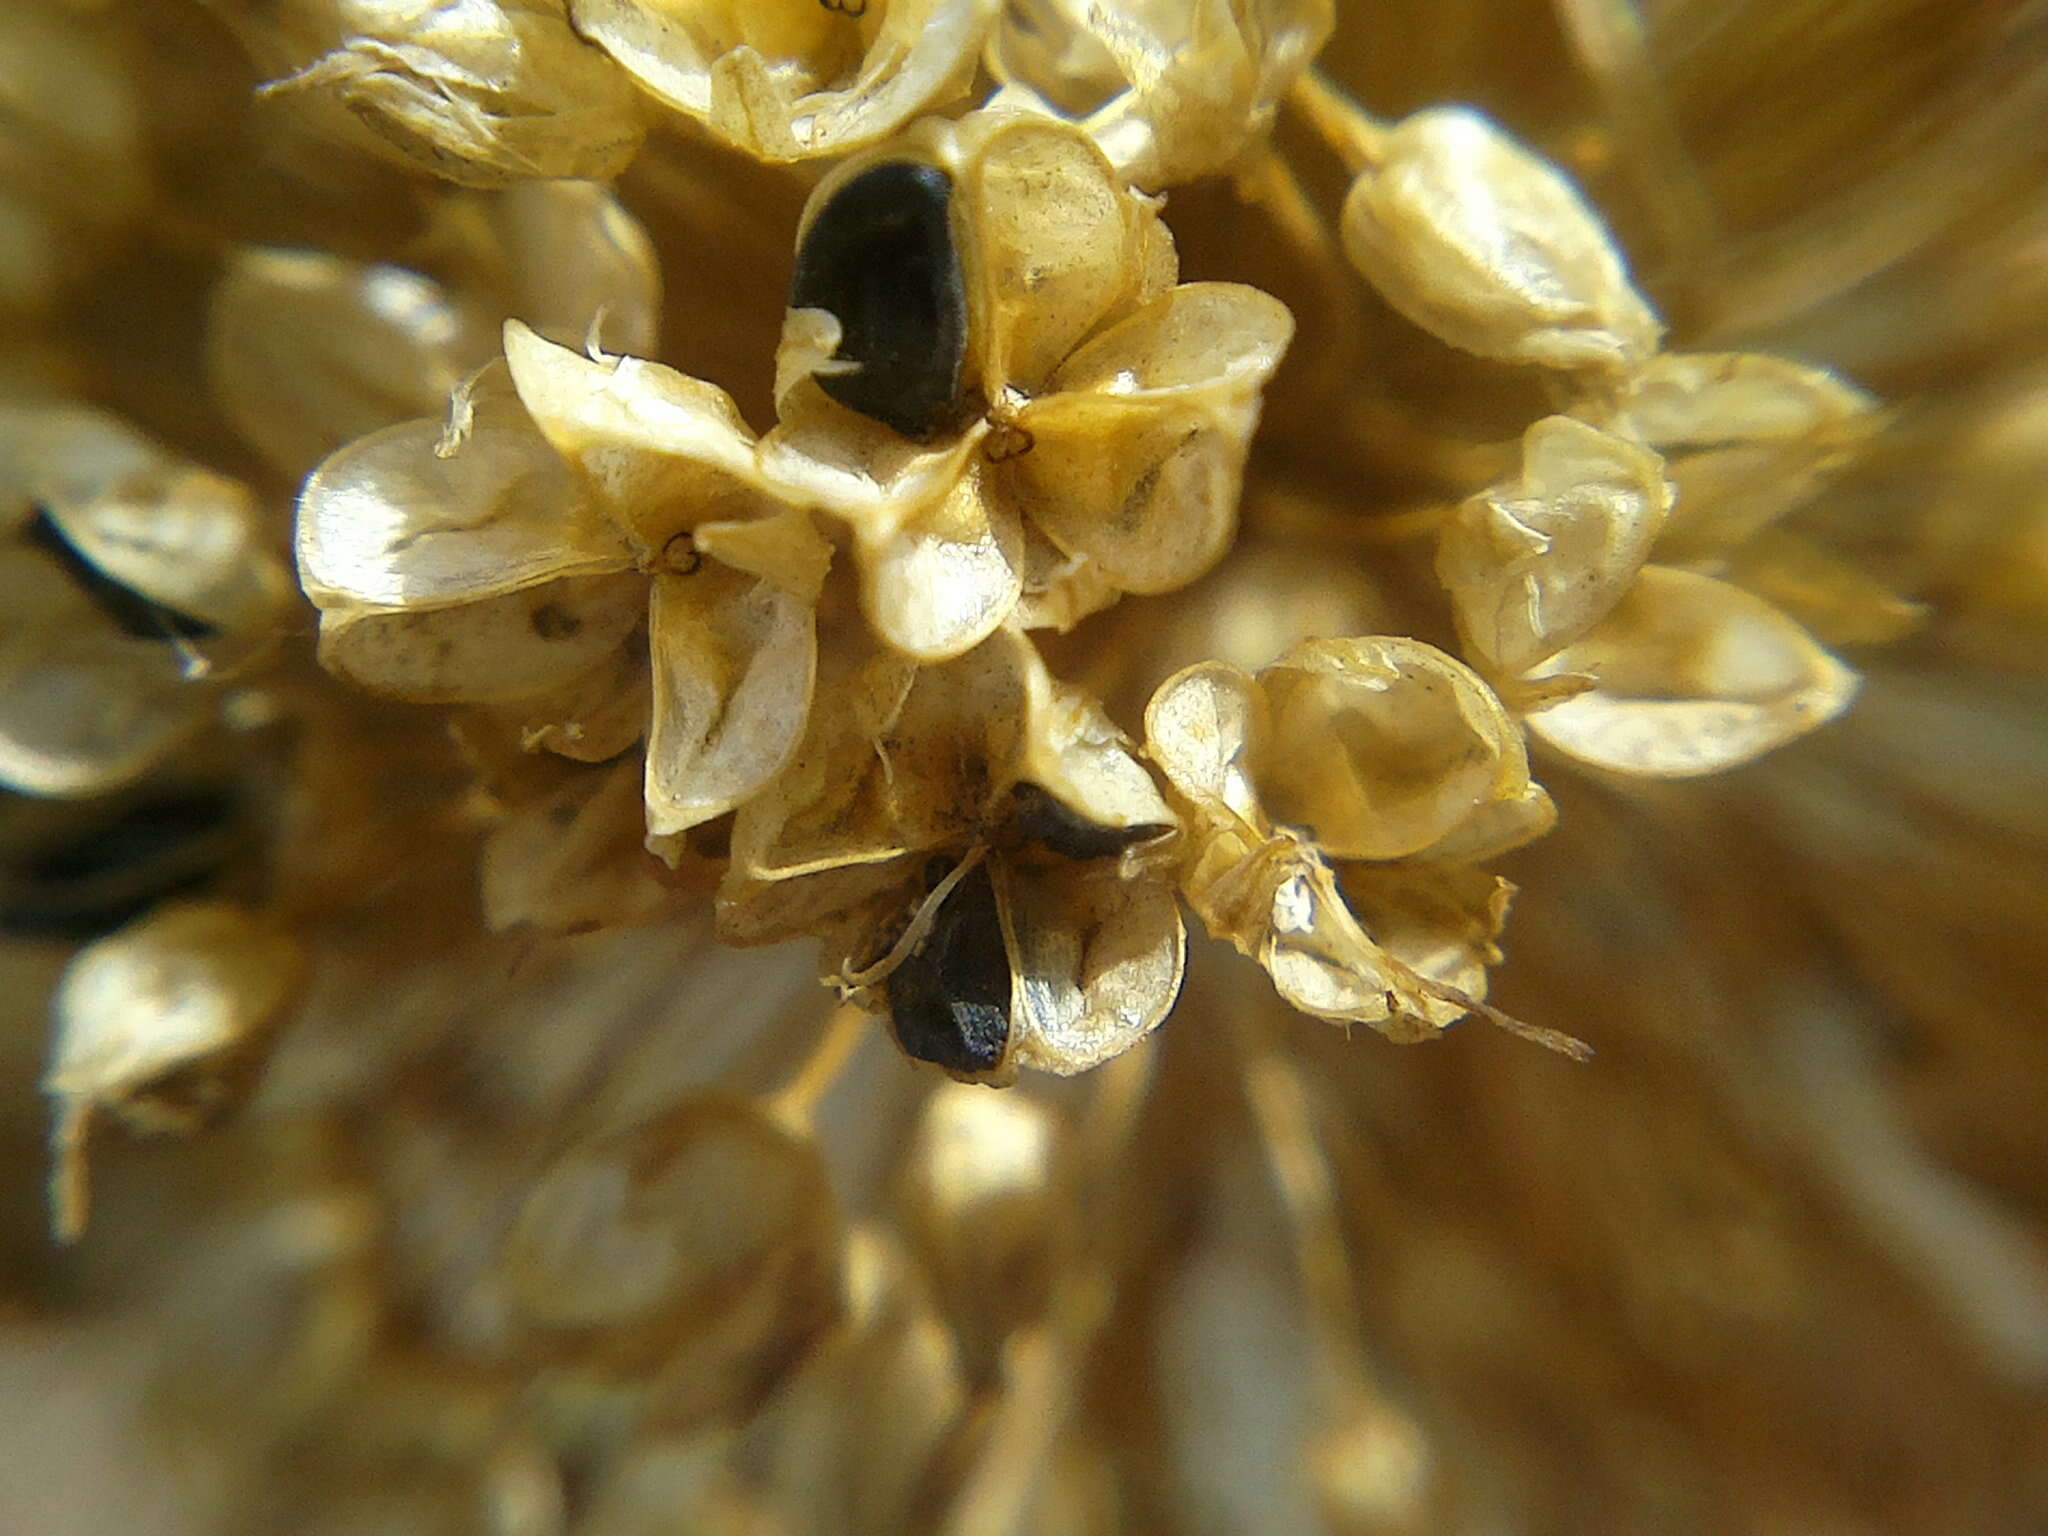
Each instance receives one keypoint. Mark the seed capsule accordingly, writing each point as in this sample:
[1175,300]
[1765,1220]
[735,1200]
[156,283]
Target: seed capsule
[950,1002]
[879,257]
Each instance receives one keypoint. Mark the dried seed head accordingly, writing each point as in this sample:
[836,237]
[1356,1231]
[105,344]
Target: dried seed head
[1481,243]
[1388,749]
[160,1026]
[1119,407]
[128,575]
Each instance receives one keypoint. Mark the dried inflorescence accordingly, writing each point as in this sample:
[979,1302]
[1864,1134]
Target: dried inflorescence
[877,559]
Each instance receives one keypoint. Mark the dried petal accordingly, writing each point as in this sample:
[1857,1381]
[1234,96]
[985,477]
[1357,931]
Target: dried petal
[1439,920]
[794,79]
[1383,748]
[160,1024]
[735,659]
[574,264]
[512,647]
[1074,753]
[308,351]
[1200,728]
[1098,962]
[1137,454]
[1691,676]
[1533,564]
[663,451]
[936,582]
[1055,237]
[1716,399]
[1483,244]
[390,522]
[898,758]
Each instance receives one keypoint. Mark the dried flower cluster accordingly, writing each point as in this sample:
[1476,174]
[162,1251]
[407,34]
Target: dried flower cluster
[956,486]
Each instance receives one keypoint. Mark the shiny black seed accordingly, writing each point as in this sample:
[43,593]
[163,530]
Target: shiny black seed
[950,1002]
[1038,816]
[880,257]
[82,870]
[137,615]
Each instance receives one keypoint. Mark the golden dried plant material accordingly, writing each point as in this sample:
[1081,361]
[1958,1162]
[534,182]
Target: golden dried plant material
[1651,669]
[307,351]
[565,257]
[1746,438]
[574,860]
[1172,89]
[1481,243]
[974,840]
[491,568]
[484,93]
[73,167]
[793,79]
[1387,749]
[1408,758]
[1091,405]
[272,1311]
[132,577]
[160,1027]
[1689,676]
[1532,564]
[697,1254]
[848,1444]
[982,1201]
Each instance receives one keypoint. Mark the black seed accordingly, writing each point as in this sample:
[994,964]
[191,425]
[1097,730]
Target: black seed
[93,868]
[880,257]
[950,1002]
[1040,817]
[138,616]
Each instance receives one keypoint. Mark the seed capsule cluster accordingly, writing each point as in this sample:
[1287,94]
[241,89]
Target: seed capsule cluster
[706,477]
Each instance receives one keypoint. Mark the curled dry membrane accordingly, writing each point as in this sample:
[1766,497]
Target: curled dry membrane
[998,410]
